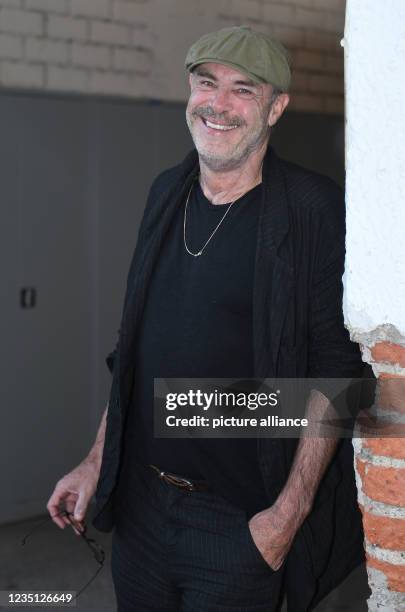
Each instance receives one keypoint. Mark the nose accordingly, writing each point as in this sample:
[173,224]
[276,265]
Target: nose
[221,100]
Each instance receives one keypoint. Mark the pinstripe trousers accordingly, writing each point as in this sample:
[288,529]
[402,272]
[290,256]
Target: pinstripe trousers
[177,550]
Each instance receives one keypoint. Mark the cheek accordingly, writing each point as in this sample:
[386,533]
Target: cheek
[196,100]
[256,120]
[249,114]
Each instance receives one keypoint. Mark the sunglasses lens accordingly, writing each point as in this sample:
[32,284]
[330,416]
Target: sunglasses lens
[98,552]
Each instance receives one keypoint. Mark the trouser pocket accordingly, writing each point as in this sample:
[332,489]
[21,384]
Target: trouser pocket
[255,553]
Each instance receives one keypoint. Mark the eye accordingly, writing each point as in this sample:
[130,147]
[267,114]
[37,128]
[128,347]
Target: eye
[206,83]
[245,92]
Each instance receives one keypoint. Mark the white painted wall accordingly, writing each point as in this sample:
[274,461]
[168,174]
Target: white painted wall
[374,48]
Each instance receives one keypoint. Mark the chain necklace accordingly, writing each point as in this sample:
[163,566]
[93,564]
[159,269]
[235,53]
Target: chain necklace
[213,233]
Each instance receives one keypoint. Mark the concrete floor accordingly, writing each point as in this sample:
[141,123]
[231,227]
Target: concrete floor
[53,559]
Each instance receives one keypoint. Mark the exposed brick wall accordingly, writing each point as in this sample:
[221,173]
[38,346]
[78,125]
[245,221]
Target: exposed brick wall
[90,46]
[380,472]
[136,48]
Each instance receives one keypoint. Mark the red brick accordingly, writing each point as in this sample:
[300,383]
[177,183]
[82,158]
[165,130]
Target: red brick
[395,573]
[389,352]
[390,393]
[387,447]
[385,484]
[389,375]
[385,532]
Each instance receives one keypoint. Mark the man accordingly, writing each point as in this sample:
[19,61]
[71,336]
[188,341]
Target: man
[236,273]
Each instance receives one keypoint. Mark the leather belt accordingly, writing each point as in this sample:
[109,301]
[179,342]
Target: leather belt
[180,482]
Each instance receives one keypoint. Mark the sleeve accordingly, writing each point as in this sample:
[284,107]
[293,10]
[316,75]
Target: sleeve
[332,355]
[111,358]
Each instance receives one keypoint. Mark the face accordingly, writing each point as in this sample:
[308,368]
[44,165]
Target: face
[229,115]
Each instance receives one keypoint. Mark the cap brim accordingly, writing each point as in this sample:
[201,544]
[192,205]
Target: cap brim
[210,60]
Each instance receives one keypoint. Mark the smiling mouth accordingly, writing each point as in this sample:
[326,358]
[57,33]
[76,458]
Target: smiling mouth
[218,126]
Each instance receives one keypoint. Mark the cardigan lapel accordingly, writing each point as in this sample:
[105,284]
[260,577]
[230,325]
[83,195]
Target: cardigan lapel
[273,280]
[160,216]
[156,228]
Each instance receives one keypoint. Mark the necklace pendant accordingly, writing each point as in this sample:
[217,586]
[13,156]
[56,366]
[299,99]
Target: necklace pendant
[199,253]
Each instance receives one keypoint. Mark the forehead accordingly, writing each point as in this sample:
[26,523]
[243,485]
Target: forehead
[222,72]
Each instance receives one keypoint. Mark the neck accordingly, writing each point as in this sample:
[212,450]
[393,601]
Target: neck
[225,186]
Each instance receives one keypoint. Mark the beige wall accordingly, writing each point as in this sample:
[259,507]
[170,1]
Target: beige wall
[136,48]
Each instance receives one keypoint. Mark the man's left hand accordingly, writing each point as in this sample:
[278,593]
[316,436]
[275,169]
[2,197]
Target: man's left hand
[273,534]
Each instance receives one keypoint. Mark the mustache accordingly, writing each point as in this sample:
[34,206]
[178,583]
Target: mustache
[207,112]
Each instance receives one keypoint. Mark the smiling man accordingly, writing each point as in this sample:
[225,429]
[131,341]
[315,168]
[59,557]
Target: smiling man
[229,117]
[236,274]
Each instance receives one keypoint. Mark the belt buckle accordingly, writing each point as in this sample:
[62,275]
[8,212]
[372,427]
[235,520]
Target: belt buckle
[177,481]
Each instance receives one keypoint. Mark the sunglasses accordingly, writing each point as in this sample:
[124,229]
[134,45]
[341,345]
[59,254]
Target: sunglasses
[98,552]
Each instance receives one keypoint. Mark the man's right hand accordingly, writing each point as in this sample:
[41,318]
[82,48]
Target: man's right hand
[73,493]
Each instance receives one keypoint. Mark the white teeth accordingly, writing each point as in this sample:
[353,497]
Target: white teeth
[219,127]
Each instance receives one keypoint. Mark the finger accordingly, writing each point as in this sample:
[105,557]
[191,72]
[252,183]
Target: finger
[64,516]
[76,525]
[70,505]
[54,510]
[81,506]
[77,532]
[60,515]
[65,520]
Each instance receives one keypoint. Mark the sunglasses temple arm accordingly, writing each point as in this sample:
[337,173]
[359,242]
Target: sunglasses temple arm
[23,541]
[89,582]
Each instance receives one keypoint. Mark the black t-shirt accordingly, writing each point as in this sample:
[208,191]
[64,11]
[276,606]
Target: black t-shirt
[197,323]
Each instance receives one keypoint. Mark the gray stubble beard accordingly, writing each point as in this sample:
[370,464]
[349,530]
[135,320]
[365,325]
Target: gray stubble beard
[219,164]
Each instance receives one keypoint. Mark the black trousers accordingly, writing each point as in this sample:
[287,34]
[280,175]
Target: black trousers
[176,550]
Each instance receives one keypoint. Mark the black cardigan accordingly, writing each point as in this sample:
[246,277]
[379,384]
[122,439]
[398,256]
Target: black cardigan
[298,331]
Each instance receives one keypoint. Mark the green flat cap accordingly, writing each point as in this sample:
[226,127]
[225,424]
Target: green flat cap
[262,58]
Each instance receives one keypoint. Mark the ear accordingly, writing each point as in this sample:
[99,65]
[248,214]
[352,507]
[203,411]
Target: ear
[278,108]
